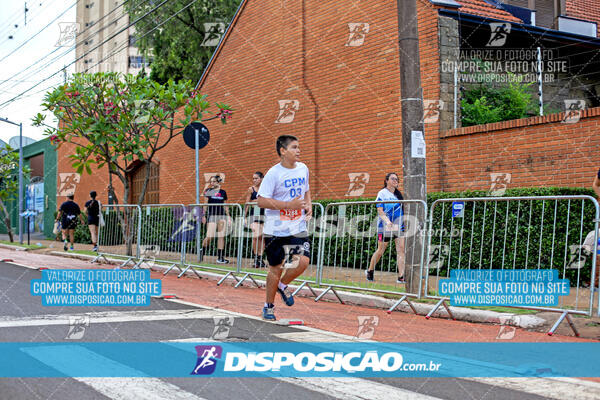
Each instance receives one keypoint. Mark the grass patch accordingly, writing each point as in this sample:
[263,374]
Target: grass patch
[24,245]
[84,252]
[510,310]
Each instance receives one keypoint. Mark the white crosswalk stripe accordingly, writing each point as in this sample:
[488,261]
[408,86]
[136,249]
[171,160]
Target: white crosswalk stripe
[356,389]
[107,317]
[113,388]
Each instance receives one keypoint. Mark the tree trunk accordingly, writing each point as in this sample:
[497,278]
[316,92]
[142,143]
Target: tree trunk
[112,196]
[7,221]
[128,225]
[147,165]
[126,219]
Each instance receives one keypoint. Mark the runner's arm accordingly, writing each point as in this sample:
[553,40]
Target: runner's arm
[308,206]
[384,217]
[272,204]
[596,185]
[248,195]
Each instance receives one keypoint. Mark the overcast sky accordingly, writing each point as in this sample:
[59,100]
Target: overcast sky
[40,14]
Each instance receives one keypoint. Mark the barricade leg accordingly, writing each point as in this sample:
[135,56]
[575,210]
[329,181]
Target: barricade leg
[302,286]
[319,297]
[226,276]
[248,275]
[186,269]
[126,262]
[564,315]
[174,265]
[434,309]
[403,298]
[95,260]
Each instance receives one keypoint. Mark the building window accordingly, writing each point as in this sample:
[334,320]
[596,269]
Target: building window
[137,62]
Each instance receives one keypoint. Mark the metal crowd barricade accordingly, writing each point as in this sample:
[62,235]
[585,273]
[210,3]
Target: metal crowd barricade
[515,233]
[200,252]
[351,236]
[120,233]
[252,243]
[164,230]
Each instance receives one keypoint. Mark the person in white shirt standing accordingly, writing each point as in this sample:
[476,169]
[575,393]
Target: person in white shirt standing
[390,226]
[284,194]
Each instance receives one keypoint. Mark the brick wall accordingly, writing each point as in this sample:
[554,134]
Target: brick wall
[349,115]
[538,151]
[585,9]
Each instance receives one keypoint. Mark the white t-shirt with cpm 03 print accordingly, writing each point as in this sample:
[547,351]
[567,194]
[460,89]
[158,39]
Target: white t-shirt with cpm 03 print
[285,184]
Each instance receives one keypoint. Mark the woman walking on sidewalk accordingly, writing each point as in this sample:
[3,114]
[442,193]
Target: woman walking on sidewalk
[68,213]
[389,226]
[92,210]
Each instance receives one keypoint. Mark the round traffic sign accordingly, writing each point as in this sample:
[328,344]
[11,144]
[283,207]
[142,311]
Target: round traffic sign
[189,135]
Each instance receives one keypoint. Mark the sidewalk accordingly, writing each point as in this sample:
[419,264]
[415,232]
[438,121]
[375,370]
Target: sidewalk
[331,316]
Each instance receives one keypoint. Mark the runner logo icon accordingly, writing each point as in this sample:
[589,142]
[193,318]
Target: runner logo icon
[207,359]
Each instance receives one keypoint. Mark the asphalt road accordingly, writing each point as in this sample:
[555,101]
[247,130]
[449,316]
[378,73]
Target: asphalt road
[24,319]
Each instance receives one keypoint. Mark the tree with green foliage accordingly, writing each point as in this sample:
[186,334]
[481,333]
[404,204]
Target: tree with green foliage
[122,121]
[9,184]
[486,104]
[179,37]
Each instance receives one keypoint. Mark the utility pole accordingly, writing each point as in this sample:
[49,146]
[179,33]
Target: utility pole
[413,140]
[20,194]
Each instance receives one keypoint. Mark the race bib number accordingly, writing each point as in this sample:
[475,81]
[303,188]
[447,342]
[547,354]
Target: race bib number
[290,215]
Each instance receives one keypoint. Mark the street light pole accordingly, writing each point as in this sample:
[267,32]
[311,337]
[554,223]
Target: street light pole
[21,183]
[20,194]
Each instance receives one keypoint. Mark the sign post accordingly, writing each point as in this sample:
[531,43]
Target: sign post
[196,136]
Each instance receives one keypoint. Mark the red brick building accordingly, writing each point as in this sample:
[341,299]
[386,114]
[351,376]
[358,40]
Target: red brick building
[344,91]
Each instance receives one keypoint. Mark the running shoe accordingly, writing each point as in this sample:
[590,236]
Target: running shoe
[65,247]
[222,261]
[401,279]
[95,248]
[268,314]
[72,248]
[369,275]
[286,296]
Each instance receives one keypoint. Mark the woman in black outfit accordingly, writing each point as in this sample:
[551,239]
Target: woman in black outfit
[215,217]
[256,220]
[92,209]
[67,215]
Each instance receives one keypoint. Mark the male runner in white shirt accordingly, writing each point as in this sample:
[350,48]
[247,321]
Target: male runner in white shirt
[285,196]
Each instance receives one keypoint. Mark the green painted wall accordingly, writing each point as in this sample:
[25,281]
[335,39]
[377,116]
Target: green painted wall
[50,178]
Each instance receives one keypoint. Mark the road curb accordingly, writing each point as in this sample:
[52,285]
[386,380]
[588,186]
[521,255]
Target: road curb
[16,248]
[366,300]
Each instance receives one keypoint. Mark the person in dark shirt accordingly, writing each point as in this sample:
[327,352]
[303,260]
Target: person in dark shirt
[92,209]
[67,215]
[215,217]
[256,220]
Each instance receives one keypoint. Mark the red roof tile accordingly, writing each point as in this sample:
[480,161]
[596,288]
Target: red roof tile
[484,9]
